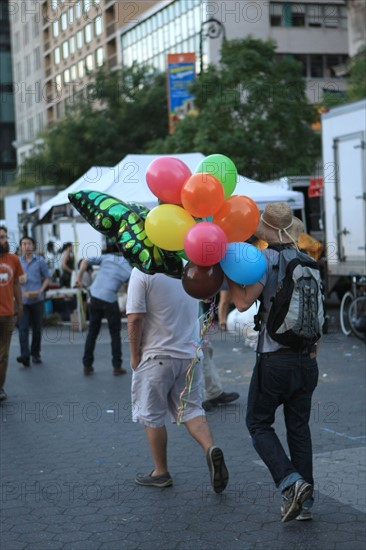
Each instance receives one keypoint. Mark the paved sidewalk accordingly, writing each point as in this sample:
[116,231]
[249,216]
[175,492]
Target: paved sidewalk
[69,455]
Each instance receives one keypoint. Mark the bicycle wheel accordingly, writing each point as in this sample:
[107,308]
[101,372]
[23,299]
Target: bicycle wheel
[357,317]
[343,313]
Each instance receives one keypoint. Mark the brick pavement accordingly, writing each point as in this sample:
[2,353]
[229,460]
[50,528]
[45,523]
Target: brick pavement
[69,454]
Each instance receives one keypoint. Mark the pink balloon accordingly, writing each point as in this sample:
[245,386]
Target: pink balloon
[165,177]
[205,243]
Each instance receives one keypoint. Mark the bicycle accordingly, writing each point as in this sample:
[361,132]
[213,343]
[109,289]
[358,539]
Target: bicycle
[357,291]
[357,317]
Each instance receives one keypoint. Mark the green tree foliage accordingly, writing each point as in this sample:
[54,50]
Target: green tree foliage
[252,108]
[357,77]
[115,116]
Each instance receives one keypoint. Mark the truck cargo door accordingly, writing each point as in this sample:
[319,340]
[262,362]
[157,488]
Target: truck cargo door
[351,194]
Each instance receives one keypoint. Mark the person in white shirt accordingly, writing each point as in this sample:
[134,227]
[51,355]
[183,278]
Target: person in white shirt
[163,330]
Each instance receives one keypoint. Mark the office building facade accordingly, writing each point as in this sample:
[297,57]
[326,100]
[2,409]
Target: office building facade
[7,121]
[57,44]
[314,33]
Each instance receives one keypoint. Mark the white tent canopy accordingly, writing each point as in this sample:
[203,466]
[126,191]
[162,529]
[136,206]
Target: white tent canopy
[127,182]
[89,180]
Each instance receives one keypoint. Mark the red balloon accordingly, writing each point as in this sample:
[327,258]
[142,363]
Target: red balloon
[205,243]
[165,177]
[202,282]
[238,217]
[202,195]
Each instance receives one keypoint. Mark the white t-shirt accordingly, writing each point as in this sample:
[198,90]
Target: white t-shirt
[171,316]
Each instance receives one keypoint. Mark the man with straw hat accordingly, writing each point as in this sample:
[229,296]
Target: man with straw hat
[281,376]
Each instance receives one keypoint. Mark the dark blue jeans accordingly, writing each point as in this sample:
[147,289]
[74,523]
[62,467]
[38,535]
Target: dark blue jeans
[31,318]
[110,311]
[287,379]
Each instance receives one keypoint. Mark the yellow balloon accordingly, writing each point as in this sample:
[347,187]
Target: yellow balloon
[166,226]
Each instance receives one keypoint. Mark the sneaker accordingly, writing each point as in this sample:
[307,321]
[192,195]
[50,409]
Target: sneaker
[23,360]
[3,395]
[36,360]
[88,371]
[293,497]
[218,471]
[148,480]
[305,515]
[118,372]
[221,399]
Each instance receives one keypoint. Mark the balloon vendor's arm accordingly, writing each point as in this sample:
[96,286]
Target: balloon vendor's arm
[135,326]
[244,296]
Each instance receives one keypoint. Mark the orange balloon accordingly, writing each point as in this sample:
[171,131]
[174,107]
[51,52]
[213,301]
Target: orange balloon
[202,195]
[238,217]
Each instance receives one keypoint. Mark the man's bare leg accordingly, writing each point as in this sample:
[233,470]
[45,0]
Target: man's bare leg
[158,441]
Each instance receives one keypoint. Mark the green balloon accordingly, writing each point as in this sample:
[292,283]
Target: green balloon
[223,169]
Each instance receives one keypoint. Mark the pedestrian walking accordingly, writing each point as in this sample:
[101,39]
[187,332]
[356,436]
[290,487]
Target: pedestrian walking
[163,329]
[113,272]
[282,375]
[67,265]
[10,271]
[33,293]
[214,394]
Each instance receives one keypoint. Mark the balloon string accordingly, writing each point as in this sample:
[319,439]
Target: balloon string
[206,321]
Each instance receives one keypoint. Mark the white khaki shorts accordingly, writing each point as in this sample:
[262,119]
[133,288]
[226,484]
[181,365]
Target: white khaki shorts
[157,384]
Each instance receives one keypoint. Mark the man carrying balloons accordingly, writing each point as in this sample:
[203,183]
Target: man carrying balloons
[162,337]
[281,376]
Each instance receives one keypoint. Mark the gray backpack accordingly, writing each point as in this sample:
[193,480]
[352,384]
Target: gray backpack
[296,316]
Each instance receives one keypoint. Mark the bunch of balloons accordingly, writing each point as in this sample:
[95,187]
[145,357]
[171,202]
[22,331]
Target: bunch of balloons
[199,219]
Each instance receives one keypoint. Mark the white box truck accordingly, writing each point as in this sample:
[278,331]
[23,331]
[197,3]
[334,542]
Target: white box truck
[344,167]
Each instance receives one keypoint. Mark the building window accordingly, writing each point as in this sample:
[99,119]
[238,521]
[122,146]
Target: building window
[17,42]
[98,25]
[30,129]
[65,49]
[99,57]
[67,76]
[58,81]
[86,6]
[37,58]
[64,21]
[298,15]
[27,65]
[72,44]
[18,71]
[40,121]
[73,72]
[26,34]
[79,39]
[55,29]
[89,63]
[314,15]
[81,69]
[285,14]
[57,56]
[316,66]
[54,4]
[36,26]
[88,33]
[78,11]
[71,15]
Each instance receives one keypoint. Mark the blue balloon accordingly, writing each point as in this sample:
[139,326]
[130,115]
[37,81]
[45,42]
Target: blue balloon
[243,263]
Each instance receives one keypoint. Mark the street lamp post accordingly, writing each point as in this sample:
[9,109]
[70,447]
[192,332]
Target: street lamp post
[212,28]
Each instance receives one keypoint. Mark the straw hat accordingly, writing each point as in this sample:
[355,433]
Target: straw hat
[278,225]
